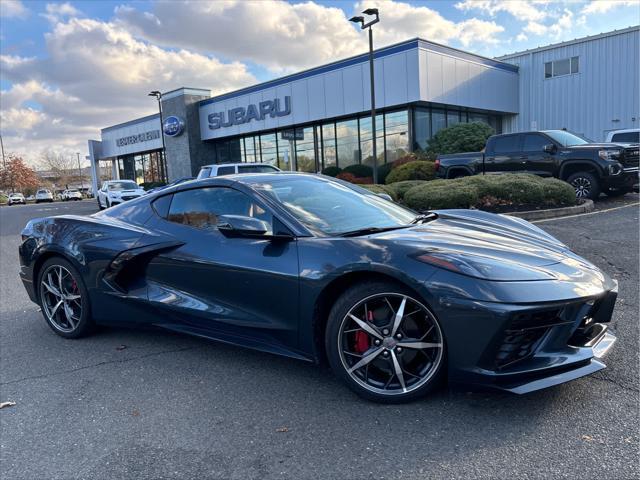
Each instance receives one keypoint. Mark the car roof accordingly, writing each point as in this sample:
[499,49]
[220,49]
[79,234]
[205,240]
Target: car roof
[624,130]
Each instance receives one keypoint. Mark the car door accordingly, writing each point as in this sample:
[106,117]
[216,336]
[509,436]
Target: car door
[237,289]
[505,155]
[538,161]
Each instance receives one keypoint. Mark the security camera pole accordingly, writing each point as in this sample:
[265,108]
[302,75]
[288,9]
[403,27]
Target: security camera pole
[363,25]
[158,96]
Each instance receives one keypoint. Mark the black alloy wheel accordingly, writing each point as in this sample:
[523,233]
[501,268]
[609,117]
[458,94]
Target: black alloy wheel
[585,184]
[385,343]
[63,299]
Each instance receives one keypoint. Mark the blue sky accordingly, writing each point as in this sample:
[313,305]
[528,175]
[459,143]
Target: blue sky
[70,68]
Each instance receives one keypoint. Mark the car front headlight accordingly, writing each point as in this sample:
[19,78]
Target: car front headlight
[609,154]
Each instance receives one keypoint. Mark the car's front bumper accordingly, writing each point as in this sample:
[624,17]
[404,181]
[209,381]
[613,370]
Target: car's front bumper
[627,180]
[520,347]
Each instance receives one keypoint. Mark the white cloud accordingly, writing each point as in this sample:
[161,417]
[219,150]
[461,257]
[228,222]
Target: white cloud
[401,21]
[528,10]
[58,11]
[289,37]
[603,6]
[521,37]
[13,9]
[563,27]
[96,74]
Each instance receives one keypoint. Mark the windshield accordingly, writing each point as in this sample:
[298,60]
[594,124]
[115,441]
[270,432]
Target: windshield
[43,191]
[566,139]
[333,208]
[123,186]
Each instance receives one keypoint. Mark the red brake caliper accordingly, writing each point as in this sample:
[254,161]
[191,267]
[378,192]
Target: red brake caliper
[362,338]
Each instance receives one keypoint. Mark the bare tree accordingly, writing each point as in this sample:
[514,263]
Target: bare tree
[63,168]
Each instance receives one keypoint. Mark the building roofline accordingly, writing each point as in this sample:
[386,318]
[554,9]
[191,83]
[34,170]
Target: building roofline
[588,38]
[131,122]
[362,58]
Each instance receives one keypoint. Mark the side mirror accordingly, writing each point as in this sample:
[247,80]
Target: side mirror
[242,226]
[550,148]
[386,196]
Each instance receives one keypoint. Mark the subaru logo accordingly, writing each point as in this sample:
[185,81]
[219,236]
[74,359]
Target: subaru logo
[173,126]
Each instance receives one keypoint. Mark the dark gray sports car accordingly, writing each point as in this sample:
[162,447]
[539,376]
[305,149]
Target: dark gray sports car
[311,267]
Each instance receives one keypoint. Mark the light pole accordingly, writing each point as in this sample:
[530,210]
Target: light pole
[80,172]
[363,25]
[158,95]
[4,163]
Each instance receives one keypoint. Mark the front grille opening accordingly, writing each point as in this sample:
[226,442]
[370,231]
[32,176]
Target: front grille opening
[524,333]
[518,345]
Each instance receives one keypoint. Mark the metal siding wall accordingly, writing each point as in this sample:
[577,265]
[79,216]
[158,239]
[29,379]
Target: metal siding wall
[606,88]
[460,82]
[332,94]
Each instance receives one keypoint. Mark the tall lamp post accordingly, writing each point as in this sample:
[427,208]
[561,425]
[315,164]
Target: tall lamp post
[363,25]
[158,95]
[80,172]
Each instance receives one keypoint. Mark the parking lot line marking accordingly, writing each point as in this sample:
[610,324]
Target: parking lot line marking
[585,214]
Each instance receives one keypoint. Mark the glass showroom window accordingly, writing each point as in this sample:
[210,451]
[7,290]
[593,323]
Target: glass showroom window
[328,146]
[286,149]
[366,142]
[438,121]
[347,143]
[305,150]
[422,128]
[396,125]
[269,149]
[249,150]
[453,117]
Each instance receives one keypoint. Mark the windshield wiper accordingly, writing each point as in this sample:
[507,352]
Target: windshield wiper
[424,218]
[370,230]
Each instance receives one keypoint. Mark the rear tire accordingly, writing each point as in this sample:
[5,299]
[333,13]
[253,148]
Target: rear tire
[401,361]
[585,184]
[64,299]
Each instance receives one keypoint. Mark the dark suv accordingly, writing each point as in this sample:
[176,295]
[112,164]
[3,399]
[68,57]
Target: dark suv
[590,168]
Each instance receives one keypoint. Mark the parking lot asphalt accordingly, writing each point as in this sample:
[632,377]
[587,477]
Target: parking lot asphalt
[150,404]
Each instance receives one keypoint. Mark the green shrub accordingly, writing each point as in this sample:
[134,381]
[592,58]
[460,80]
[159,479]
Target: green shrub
[401,188]
[382,189]
[331,171]
[359,171]
[490,192]
[460,138]
[418,170]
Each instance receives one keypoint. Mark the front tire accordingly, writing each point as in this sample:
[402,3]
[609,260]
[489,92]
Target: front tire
[585,184]
[64,299]
[384,343]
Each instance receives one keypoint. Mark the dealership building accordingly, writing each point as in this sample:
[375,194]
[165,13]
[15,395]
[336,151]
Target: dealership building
[321,117]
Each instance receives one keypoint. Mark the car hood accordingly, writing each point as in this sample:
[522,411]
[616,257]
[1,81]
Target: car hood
[492,247]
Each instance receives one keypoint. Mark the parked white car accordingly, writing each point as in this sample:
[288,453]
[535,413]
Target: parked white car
[71,194]
[114,192]
[44,195]
[628,135]
[16,198]
[230,168]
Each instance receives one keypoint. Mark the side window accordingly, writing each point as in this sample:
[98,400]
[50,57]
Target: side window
[201,207]
[229,170]
[508,144]
[535,143]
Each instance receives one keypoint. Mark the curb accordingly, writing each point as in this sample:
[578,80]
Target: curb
[586,207]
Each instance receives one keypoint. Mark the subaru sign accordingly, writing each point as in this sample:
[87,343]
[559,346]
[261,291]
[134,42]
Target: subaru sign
[173,126]
[239,115]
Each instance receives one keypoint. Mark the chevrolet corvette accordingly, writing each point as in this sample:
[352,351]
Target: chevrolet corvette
[316,269]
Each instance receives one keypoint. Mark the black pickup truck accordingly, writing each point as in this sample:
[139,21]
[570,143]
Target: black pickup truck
[590,168]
